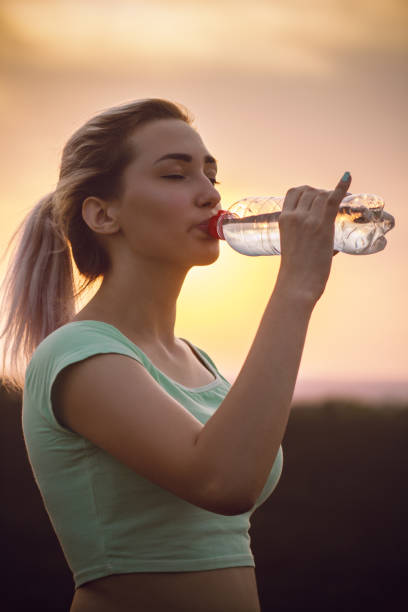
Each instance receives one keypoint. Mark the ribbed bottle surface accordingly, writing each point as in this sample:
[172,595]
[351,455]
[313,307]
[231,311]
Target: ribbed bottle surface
[252,225]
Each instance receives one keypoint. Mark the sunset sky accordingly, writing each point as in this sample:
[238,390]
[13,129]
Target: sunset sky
[284,93]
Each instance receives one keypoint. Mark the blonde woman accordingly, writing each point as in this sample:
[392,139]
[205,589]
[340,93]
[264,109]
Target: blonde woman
[148,461]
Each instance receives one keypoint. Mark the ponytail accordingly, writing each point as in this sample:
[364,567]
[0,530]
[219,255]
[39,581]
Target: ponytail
[37,292]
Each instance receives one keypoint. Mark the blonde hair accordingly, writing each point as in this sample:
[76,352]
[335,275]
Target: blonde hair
[38,292]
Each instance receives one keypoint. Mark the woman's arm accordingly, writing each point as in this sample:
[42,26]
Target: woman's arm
[221,466]
[243,437]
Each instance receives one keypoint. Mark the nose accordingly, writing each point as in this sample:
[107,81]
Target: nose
[209,196]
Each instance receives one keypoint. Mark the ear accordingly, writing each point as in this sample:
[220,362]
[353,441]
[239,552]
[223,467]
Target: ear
[100,216]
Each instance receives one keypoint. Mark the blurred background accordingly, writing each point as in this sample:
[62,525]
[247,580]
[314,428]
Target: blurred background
[284,93]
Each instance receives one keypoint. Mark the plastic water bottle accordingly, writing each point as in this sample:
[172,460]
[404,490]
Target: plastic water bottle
[250,226]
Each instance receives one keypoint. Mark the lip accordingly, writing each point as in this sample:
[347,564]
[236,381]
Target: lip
[203,225]
[205,222]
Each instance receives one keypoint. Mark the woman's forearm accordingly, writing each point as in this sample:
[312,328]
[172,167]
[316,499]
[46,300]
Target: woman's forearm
[242,438]
[240,441]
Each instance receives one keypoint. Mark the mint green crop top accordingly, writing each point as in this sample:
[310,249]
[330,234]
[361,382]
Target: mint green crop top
[108,519]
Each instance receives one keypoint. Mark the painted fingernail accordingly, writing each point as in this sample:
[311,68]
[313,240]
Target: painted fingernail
[345,177]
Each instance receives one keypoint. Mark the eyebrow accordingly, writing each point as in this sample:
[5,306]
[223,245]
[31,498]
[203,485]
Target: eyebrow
[208,159]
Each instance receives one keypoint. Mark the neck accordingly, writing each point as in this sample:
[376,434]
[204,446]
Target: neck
[142,302]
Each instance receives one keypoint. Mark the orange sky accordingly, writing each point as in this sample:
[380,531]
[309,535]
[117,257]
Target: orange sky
[284,94]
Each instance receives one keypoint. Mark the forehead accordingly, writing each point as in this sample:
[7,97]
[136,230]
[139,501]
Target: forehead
[163,136]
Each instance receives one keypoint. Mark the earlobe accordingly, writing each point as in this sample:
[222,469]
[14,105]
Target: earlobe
[100,216]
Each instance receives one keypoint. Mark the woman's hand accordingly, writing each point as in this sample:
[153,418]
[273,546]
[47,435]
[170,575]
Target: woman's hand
[306,227]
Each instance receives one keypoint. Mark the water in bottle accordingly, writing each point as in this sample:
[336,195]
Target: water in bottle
[251,225]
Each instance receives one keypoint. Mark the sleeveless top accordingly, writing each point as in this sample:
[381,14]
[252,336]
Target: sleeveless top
[108,519]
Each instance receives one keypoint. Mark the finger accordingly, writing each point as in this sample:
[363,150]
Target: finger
[338,194]
[292,197]
[307,199]
[319,204]
[341,189]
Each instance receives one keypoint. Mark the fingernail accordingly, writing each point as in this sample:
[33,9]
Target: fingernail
[345,177]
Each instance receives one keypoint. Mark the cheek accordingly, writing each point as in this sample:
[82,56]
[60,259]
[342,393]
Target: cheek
[151,226]
[154,201]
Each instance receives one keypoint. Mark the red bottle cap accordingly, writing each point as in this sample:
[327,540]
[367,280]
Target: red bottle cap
[215,229]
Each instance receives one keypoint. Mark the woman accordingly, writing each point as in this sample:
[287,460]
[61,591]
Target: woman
[148,461]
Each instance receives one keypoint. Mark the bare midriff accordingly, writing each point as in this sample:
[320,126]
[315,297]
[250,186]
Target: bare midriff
[222,590]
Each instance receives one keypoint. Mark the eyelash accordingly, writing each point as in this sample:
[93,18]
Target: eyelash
[174,176]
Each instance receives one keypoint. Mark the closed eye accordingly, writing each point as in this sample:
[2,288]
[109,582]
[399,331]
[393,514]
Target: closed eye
[180,176]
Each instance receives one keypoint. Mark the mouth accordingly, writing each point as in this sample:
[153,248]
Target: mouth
[203,226]
[208,228]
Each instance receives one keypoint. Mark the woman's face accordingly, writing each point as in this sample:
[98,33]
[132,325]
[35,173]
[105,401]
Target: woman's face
[168,190]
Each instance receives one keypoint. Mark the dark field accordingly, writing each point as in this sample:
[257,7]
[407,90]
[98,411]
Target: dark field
[331,537]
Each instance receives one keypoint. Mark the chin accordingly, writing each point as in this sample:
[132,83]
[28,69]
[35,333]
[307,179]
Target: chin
[207,262]
[208,257]
[205,259]
[200,253]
